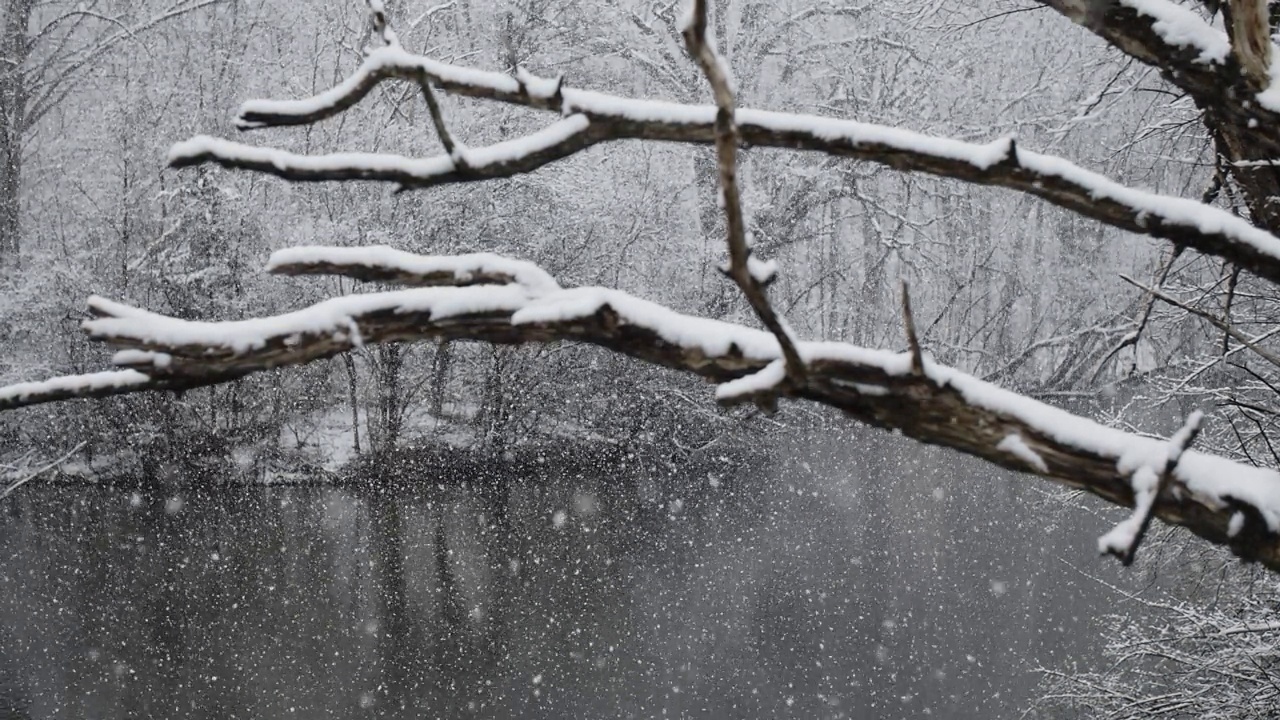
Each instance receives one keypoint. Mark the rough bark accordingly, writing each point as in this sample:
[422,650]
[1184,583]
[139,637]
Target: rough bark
[1247,133]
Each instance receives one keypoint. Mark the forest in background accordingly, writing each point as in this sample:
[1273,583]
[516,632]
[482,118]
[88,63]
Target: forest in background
[1005,287]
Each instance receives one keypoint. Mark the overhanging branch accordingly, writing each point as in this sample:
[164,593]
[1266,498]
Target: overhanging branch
[595,118]
[1225,502]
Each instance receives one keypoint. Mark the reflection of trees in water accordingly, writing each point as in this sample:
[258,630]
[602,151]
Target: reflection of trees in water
[704,593]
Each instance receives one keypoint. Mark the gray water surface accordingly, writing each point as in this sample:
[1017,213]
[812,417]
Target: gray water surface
[881,580]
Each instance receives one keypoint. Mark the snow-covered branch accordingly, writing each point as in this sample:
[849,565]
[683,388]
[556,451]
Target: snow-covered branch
[67,387]
[380,263]
[1225,502]
[1228,74]
[1148,484]
[593,117]
[500,160]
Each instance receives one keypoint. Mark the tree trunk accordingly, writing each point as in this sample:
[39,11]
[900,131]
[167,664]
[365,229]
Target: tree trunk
[439,380]
[14,49]
[350,365]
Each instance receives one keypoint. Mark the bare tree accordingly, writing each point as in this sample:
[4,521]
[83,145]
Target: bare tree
[488,298]
[44,50]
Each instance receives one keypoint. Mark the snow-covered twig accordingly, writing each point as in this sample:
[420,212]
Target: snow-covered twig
[382,24]
[505,159]
[726,140]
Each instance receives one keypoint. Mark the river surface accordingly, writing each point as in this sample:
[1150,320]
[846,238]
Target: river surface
[862,578]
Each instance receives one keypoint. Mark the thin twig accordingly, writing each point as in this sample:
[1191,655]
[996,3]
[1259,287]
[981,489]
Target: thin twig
[913,342]
[1132,338]
[456,152]
[1216,322]
[31,476]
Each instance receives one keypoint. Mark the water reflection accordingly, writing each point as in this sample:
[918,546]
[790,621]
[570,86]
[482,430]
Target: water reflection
[820,586]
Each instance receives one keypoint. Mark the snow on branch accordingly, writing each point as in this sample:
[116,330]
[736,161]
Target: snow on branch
[66,387]
[277,340]
[1180,26]
[594,117]
[500,160]
[380,263]
[381,24]
[1223,501]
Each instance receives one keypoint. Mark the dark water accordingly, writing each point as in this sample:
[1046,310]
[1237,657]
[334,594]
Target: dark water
[872,579]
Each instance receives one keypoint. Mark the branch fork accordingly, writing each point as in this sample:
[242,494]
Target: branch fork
[751,275]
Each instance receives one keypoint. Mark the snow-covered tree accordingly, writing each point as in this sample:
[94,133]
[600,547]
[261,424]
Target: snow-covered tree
[1218,62]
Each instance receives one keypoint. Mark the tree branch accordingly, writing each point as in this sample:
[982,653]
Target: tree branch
[1249,29]
[913,340]
[1223,501]
[597,117]
[506,159]
[1124,539]
[1245,340]
[380,263]
[1227,74]
[726,134]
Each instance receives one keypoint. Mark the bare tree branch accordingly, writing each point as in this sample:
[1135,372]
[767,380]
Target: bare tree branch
[33,474]
[913,341]
[726,132]
[1131,339]
[1245,340]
